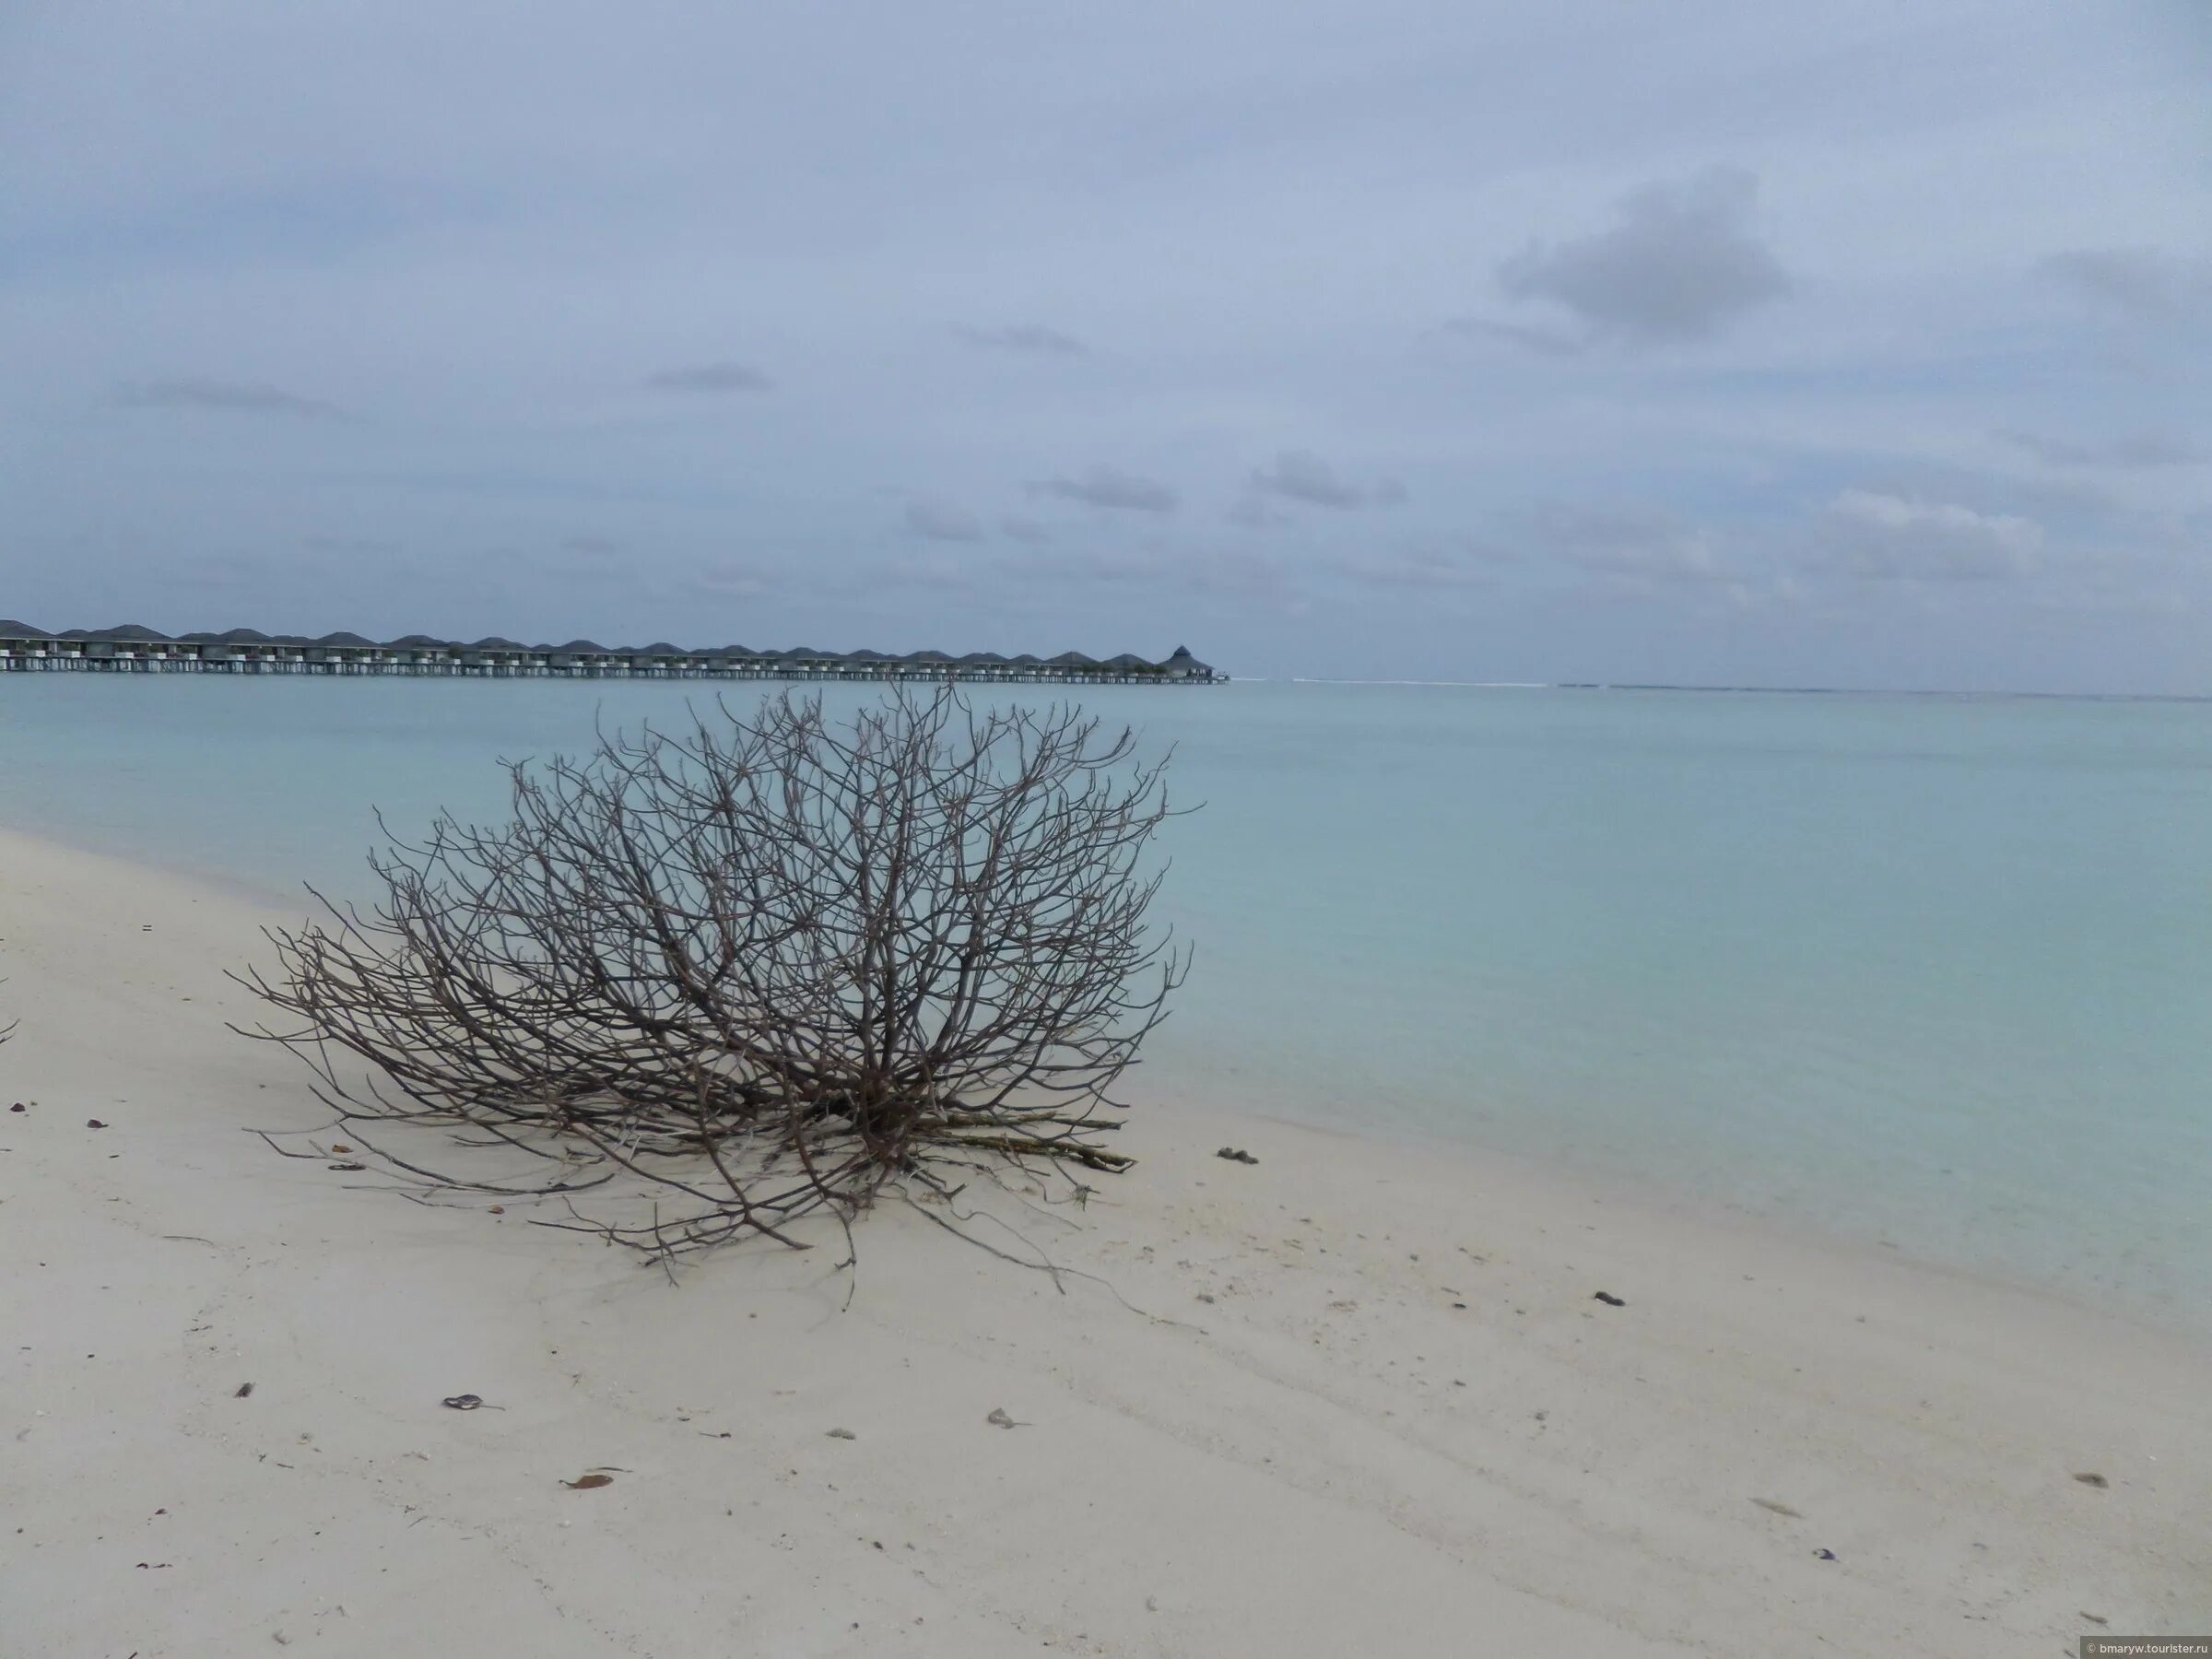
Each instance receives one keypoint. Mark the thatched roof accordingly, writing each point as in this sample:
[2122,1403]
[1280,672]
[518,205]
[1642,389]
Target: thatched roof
[137,634]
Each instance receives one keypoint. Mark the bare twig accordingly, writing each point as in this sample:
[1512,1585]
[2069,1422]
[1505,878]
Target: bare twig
[757,969]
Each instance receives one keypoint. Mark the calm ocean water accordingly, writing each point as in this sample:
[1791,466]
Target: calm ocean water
[1933,970]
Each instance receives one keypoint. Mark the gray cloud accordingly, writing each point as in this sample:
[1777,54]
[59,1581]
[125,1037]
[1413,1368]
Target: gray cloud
[933,572]
[1682,264]
[221,571]
[739,578]
[591,565]
[712,377]
[480,245]
[1234,573]
[1156,567]
[1255,511]
[1432,568]
[1644,545]
[1551,342]
[2147,283]
[1030,338]
[2137,450]
[942,521]
[1030,581]
[232,397]
[350,545]
[1300,475]
[1111,488]
[1882,537]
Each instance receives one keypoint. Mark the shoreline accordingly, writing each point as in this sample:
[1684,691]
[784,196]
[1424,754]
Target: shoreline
[1663,1203]
[1373,1379]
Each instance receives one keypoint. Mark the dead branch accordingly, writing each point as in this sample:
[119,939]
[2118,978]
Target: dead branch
[756,970]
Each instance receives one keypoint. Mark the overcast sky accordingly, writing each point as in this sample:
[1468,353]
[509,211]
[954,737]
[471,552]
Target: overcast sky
[1862,343]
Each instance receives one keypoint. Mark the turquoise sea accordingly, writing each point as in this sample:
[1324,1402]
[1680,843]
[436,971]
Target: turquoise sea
[1933,970]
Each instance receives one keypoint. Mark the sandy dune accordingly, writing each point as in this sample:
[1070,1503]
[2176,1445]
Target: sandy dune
[1353,1399]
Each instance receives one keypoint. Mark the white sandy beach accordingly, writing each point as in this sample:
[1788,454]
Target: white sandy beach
[1370,1404]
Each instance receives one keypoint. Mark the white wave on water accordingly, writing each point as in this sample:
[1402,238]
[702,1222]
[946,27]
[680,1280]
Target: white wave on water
[1464,685]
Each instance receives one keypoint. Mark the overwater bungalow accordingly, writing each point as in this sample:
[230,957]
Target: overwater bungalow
[1182,666]
[134,647]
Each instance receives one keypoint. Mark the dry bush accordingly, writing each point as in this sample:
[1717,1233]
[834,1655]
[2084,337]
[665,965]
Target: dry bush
[757,969]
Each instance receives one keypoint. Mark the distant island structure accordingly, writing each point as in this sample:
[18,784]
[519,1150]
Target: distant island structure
[132,649]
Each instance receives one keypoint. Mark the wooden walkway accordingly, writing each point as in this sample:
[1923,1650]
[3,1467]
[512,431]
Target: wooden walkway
[50,655]
[78,665]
